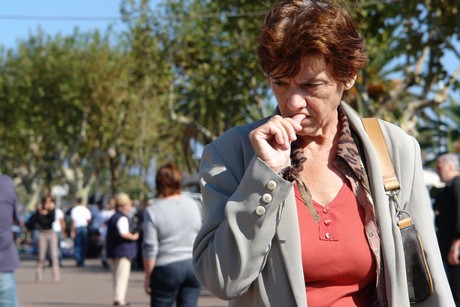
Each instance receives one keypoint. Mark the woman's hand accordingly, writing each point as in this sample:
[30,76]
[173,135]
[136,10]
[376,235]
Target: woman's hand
[147,285]
[272,140]
[149,264]
[130,236]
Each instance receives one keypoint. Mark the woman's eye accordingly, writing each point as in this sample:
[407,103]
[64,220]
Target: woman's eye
[278,83]
[311,85]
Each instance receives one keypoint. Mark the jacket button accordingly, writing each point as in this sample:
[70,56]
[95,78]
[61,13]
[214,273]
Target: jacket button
[271,185]
[267,198]
[260,210]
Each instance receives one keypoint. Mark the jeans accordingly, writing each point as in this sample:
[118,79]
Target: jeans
[8,296]
[174,282]
[34,235]
[80,245]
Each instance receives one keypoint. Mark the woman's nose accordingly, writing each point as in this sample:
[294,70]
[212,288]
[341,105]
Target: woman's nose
[296,100]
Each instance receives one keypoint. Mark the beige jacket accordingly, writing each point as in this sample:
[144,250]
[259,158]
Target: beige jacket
[248,250]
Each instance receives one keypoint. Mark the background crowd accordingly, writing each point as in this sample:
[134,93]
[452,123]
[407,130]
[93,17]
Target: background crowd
[112,229]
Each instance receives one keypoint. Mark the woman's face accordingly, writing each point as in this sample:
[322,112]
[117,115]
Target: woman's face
[48,204]
[312,95]
[127,207]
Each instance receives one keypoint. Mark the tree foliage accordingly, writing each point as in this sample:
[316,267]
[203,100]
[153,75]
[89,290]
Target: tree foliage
[98,112]
[407,42]
[218,82]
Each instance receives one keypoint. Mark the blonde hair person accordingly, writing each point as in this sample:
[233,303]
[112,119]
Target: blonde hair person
[120,248]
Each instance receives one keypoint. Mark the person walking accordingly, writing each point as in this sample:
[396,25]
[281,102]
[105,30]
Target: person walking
[47,238]
[170,226]
[31,226]
[296,214]
[120,248]
[9,257]
[106,214]
[58,227]
[81,217]
[447,208]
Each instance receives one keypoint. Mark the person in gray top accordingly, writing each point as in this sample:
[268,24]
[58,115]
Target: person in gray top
[170,226]
[9,258]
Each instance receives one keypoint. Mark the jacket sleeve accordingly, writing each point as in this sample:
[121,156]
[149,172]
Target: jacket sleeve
[150,242]
[242,206]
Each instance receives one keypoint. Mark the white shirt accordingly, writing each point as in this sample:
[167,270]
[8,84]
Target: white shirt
[105,214]
[80,216]
[58,215]
[123,225]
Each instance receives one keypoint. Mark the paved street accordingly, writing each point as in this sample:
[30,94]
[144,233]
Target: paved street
[90,286]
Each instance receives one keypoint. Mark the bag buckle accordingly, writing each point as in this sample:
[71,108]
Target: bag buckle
[402,217]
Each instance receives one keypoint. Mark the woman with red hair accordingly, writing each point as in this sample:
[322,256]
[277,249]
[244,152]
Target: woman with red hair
[170,226]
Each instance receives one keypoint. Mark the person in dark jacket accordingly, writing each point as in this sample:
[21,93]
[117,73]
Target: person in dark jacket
[9,258]
[121,248]
[447,208]
[47,238]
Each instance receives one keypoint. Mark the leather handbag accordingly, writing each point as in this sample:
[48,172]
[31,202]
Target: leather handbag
[419,282]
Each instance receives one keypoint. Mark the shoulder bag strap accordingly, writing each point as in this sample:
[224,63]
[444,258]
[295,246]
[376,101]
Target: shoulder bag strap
[390,181]
[374,131]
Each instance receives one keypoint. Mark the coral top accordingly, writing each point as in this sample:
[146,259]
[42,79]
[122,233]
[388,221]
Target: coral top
[338,265]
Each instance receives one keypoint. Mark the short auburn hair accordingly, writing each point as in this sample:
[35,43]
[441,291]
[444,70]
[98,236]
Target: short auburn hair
[168,180]
[298,28]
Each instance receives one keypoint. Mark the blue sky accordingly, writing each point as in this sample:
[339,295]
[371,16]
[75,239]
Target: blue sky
[20,18]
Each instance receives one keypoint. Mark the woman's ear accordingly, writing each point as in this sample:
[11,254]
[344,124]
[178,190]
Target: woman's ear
[350,82]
